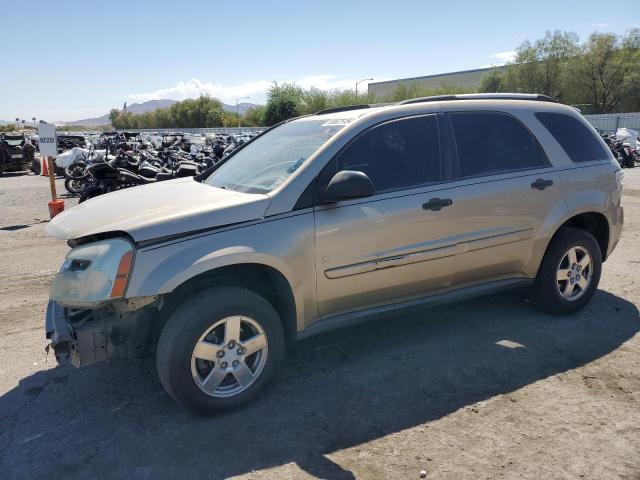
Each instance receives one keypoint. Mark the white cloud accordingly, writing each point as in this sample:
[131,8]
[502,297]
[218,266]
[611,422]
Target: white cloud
[501,59]
[508,56]
[601,25]
[255,89]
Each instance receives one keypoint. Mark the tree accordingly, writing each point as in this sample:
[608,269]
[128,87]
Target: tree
[254,117]
[113,116]
[314,100]
[492,82]
[202,112]
[598,74]
[283,102]
[538,67]
[630,54]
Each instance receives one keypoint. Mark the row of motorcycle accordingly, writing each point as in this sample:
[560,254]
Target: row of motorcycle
[118,162]
[625,146]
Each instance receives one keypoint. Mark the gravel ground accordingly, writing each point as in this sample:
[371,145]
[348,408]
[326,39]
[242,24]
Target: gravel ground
[489,388]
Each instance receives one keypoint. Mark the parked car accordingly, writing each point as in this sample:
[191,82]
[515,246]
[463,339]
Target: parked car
[12,156]
[330,219]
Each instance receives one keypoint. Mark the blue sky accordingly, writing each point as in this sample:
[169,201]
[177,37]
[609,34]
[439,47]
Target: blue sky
[66,60]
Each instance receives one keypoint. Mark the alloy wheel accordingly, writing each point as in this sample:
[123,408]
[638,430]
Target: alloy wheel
[574,273]
[229,357]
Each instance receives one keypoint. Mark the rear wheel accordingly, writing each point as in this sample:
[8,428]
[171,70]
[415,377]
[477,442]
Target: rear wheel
[569,273]
[220,349]
[88,193]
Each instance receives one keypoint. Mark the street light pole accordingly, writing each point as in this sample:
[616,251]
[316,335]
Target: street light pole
[357,83]
[237,112]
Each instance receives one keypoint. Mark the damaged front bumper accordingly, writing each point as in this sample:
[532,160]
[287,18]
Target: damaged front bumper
[58,331]
[83,337]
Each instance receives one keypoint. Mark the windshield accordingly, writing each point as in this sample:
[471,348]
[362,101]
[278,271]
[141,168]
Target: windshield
[267,162]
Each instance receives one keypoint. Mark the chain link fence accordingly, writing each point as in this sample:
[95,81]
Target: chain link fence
[612,121]
[196,131]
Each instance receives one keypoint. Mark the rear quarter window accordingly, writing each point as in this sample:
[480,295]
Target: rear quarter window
[579,143]
[490,143]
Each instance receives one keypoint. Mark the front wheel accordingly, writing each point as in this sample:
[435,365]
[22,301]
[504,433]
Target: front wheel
[220,349]
[76,169]
[569,273]
[76,185]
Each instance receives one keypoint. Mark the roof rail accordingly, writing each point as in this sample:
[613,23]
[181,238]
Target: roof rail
[342,109]
[481,96]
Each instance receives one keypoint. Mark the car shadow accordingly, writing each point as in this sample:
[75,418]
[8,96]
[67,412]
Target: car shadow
[336,391]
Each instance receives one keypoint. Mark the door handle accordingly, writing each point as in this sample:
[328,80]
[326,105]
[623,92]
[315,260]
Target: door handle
[435,204]
[541,184]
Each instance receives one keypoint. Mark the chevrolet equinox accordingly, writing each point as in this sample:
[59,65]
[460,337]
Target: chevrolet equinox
[329,219]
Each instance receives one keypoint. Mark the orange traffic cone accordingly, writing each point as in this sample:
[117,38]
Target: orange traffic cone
[44,170]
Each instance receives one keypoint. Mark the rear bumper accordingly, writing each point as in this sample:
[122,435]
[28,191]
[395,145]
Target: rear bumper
[616,221]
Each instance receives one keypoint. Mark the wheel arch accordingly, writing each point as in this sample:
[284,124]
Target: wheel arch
[261,278]
[595,223]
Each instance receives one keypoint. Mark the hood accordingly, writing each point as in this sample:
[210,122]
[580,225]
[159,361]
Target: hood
[157,210]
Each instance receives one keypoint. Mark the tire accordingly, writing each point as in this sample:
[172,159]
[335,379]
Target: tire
[35,167]
[75,186]
[90,192]
[189,324]
[546,292]
[76,170]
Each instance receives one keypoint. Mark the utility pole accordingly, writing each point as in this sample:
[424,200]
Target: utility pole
[363,80]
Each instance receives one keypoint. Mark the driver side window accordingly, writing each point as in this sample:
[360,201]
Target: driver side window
[396,155]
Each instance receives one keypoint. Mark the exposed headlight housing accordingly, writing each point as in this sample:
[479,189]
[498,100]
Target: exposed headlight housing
[94,273]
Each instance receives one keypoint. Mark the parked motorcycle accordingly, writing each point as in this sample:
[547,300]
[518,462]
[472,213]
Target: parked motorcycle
[128,159]
[106,177]
[623,153]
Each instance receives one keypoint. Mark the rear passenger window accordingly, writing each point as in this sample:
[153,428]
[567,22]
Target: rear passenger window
[492,142]
[399,154]
[578,142]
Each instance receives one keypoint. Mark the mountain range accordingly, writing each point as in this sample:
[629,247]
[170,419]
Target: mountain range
[151,105]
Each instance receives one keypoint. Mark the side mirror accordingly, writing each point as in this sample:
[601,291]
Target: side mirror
[348,184]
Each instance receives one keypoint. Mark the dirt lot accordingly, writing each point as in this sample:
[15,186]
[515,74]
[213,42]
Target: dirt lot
[485,389]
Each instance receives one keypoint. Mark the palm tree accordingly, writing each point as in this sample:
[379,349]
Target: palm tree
[23,124]
[17,122]
[34,121]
